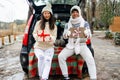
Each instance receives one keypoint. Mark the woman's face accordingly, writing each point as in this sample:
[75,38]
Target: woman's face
[75,14]
[46,15]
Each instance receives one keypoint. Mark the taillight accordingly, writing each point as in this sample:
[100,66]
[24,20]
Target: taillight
[25,38]
[88,41]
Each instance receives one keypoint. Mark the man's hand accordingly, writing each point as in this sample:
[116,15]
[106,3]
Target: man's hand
[68,33]
[87,33]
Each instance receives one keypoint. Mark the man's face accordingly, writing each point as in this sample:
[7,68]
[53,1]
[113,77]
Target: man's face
[75,14]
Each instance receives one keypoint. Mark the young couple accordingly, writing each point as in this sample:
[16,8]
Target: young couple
[45,33]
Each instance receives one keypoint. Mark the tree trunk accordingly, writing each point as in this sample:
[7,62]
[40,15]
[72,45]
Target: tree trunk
[93,14]
[82,6]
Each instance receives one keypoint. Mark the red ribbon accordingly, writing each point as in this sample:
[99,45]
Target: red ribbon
[43,35]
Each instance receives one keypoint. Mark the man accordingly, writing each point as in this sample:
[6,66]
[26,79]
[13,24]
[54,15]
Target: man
[76,45]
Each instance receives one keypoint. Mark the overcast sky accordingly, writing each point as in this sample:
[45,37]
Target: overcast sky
[11,10]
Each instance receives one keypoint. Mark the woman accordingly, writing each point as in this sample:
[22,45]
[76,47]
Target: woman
[45,33]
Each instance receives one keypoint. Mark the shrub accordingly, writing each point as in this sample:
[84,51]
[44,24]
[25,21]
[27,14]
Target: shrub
[117,38]
[108,35]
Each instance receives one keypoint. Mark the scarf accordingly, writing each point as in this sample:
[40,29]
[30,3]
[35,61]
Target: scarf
[77,22]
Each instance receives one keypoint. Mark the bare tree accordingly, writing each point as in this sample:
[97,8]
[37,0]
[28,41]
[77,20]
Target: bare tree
[82,6]
[93,14]
[84,13]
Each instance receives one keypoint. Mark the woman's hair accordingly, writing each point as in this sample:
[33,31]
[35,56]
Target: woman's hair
[51,22]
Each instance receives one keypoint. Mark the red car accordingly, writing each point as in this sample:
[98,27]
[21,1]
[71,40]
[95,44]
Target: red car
[61,10]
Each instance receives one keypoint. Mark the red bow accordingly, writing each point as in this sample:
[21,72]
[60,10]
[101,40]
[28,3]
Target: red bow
[43,35]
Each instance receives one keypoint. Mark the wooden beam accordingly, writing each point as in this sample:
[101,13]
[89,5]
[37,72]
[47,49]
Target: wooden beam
[9,36]
[115,28]
[3,41]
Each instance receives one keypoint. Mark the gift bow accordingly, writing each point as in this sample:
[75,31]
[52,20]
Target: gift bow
[76,33]
[43,35]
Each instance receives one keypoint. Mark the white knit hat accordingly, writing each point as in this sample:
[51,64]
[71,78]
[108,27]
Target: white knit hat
[76,7]
[47,8]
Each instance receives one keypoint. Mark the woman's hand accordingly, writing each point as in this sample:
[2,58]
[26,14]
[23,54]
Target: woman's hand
[48,38]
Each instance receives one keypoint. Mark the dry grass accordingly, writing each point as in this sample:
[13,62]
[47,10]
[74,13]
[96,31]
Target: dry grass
[13,30]
[5,32]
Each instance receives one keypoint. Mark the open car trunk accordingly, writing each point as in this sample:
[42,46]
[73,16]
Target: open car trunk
[61,12]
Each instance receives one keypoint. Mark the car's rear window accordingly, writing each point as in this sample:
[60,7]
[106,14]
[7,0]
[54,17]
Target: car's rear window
[70,2]
[43,2]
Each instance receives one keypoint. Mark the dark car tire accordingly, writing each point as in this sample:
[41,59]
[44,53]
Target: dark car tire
[24,62]
[24,59]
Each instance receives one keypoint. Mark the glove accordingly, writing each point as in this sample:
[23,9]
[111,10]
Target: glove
[87,33]
[47,38]
[68,33]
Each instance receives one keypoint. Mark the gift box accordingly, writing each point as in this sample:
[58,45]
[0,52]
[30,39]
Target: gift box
[77,32]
